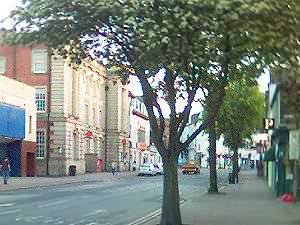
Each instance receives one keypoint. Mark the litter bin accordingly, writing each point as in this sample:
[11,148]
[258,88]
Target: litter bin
[72,170]
[231,179]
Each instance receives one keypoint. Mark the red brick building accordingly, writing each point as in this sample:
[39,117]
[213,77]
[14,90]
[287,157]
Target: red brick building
[30,65]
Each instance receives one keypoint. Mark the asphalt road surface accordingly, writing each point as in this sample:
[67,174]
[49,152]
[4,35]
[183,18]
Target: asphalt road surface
[116,202]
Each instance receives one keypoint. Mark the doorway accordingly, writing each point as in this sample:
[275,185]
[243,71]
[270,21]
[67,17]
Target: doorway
[30,164]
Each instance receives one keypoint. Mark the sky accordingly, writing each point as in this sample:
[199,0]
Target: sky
[8,5]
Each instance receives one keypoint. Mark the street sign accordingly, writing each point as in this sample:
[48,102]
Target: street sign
[269,123]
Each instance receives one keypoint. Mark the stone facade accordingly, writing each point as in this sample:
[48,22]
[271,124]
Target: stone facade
[77,115]
[140,150]
[117,124]
[73,120]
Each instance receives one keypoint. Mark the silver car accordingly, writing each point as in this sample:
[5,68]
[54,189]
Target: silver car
[147,169]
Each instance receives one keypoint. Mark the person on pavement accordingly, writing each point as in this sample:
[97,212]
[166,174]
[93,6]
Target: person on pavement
[5,169]
[113,167]
[134,165]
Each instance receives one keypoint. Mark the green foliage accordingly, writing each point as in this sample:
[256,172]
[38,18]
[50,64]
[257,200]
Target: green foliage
[202,45]
[241,113]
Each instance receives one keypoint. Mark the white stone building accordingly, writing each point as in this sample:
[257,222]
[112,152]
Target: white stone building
[200,146]
[77,116]
[140,149]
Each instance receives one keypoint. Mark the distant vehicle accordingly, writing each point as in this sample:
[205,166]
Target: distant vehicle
[191,166]
[147,169]
[159,169]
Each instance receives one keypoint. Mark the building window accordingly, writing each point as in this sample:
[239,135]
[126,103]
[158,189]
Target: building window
[75,147]
[41,144]
[87,145]
[40,99]
[136,105]
[2,65]
[74,93]
[95,146]
[141,136]
[39,60]
[30,124]
[86,113]
[94,116]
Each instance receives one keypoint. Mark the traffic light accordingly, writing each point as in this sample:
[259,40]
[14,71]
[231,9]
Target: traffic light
[269,123]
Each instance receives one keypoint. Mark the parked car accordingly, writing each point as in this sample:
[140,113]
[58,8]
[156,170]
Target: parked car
[191,166]
[147,169]
[159,169]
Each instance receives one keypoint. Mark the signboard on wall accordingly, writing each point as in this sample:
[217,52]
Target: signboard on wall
[294,144]
[269,123]
[142,146]
[12,123]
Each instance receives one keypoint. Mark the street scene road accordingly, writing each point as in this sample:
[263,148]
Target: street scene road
[115,202]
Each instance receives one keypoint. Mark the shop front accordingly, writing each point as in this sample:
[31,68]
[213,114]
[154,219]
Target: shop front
[12,132]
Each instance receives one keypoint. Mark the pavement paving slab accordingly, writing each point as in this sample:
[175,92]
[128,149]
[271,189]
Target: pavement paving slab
[248,203]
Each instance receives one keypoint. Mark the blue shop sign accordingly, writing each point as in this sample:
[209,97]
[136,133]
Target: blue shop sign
[12,121]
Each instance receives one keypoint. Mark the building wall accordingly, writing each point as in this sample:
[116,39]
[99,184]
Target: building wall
[66,111]
[19,67]
[139,121]
[117,133]
[21,95]
[77,108]
[18,64]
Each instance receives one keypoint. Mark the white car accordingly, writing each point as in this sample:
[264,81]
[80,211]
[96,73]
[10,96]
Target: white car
[147,169]
[159,169]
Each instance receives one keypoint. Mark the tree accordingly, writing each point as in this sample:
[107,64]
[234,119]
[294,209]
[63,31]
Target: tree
[213,135]
[194,44]
[241,113]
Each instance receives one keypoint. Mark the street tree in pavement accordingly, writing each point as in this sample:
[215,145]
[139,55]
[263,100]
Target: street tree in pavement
[180,50]
[240,115]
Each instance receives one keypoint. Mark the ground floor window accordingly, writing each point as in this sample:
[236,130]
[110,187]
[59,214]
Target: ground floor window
[41,143]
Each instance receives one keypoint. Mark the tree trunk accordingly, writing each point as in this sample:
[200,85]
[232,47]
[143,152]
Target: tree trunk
[235,164]
[170,205]
[213,180]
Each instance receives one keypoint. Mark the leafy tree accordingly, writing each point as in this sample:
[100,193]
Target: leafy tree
[241,113]
[196,45]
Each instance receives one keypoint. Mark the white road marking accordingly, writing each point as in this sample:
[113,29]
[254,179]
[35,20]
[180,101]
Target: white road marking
[52,204]
[10,211]
[98,211]
[7,204]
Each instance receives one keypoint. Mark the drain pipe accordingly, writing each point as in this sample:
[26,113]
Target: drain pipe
[106,127]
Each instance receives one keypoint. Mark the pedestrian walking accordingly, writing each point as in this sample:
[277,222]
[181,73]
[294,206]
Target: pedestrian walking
[134,165]
[113,167]
[5,169]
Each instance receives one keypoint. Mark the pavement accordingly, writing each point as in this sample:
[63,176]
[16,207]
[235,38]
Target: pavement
[248,203]
[16,183]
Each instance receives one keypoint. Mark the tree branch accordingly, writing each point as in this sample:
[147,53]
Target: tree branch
[161,118]
[171,99]
[186,112]
[216,105]
[150,100]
